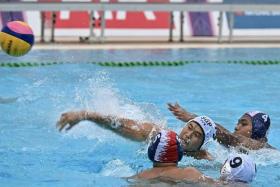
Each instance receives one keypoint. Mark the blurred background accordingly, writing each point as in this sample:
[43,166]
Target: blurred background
[149,25]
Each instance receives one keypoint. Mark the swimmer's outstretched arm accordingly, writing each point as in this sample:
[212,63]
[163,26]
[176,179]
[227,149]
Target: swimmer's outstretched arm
[224,136]
[127,128]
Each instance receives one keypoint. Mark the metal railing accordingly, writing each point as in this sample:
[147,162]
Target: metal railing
[137,6]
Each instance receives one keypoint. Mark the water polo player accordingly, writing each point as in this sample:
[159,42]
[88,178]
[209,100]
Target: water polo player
[238,168]
[165,151]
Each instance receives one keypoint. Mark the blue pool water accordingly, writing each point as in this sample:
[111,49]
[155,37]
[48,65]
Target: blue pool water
[34,153]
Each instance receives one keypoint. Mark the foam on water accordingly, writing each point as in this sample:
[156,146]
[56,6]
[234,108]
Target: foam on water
[117,168]
[266,157]
[262,157]
[105,98]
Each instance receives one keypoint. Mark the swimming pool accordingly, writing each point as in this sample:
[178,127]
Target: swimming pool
[34,153]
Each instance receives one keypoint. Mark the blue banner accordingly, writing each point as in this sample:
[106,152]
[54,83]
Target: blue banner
[255,20]
[252,1]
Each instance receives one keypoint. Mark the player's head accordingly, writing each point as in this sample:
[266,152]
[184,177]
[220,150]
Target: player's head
[197,133]
[165,147]
[253,125]
[238,168]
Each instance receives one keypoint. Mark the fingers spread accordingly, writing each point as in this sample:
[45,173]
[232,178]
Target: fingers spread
[170,106]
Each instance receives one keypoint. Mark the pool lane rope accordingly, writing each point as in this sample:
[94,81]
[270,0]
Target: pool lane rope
[141,63]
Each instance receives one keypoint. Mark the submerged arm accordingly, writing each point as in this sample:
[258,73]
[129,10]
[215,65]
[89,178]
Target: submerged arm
[125,127]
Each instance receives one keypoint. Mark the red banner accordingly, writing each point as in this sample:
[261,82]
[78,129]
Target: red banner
[114,20]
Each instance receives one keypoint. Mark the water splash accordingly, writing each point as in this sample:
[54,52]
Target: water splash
[91,132]
[266,157]
[117,168]
[262,157]
[100,94]
[30,91]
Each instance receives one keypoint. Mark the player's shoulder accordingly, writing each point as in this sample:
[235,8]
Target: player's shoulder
[191,170]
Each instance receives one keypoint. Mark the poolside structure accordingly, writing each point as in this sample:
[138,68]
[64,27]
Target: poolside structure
[222,8]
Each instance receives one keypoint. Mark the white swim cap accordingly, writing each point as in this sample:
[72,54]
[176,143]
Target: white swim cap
[238,168]
[208,127]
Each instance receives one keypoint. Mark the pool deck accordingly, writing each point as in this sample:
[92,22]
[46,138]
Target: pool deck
[161,43]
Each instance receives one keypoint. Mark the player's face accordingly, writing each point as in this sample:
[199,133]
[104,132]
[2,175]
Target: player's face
[244,126]
[191,136]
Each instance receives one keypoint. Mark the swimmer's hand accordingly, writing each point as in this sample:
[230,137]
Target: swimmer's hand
[180,113]
[69,119]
